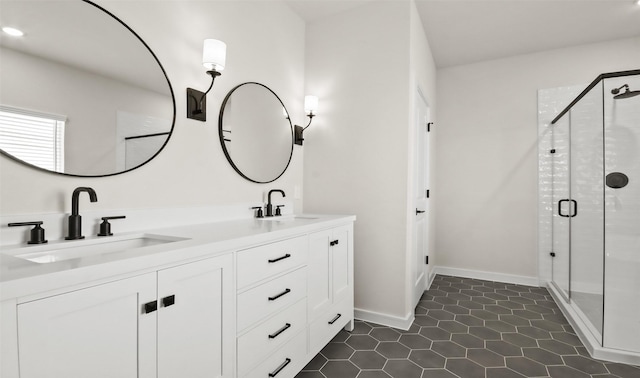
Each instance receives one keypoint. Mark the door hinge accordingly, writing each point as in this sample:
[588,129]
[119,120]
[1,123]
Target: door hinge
[429,126]
[426,260]
[552,254]
[427,193]
[553,151]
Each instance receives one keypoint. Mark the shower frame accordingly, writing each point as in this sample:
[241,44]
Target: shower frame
[564,299]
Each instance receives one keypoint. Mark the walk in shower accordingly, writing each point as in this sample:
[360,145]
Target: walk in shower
[589,218]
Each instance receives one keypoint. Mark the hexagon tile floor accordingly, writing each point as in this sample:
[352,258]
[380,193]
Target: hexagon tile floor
[467,328]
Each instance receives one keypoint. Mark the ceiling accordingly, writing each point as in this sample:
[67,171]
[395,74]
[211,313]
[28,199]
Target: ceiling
[468,31]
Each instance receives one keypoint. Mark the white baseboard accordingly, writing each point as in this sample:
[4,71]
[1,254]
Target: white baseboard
[489,276]
[384,319]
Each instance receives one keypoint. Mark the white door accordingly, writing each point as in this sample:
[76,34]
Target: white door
[192,300]
[420,270]
[95,332]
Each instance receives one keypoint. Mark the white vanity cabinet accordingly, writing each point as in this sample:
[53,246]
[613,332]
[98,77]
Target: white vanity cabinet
[330,282]
[177,319]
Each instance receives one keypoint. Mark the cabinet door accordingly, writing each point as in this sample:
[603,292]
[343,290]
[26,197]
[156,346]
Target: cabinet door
[318,283]
[98,332]
[340,264]
[195,320]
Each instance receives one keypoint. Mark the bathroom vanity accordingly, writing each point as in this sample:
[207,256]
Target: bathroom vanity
[241,298]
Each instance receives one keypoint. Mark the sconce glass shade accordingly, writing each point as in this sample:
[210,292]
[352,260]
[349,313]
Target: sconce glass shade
[214,54]
[310,104]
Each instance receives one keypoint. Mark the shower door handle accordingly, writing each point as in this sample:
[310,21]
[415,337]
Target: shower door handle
[575,209]
[560,208]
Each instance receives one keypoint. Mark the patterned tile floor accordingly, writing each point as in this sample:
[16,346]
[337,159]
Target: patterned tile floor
[467,328]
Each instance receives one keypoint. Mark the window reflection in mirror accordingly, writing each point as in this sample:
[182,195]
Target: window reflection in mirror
[78,61]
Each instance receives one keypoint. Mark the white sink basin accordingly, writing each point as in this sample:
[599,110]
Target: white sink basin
[285,218]
[68,250]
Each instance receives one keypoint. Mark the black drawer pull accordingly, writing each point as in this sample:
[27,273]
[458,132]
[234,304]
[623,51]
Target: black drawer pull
[279,258]
[335,319]
[169,301]
[150,307]
[287,291]
[279,369]
[278,332]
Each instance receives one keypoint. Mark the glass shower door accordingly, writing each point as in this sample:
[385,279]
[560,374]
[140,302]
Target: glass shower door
[560,167]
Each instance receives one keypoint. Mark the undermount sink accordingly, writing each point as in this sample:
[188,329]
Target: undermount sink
[291,217]
[44,254]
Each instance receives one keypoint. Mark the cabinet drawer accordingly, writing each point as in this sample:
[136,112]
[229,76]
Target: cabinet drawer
[258,263]
[327,325]
[270,297]
[285,362]
[261,341]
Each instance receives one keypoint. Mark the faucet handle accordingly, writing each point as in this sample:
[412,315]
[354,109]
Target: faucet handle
[36,234]
[105,226]
[278,211]
[259,213]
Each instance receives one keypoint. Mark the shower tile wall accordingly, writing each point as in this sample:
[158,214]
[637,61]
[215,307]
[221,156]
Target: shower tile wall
[622,215]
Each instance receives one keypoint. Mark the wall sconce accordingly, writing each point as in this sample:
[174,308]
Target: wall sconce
[310,108]
[214,56]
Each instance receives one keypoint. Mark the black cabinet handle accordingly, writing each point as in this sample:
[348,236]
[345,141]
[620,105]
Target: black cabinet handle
[575,208]
[279,258]
[287,291]
[279,369]
[150,307]
[169,301]
[278,332]
[335,319]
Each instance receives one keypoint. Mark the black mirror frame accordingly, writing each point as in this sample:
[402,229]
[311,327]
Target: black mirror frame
[173,101]
[221,136]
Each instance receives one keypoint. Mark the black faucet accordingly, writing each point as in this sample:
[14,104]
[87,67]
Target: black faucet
[269,205]
[75,220]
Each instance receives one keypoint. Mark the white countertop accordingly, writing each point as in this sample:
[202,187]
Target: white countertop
[21,278]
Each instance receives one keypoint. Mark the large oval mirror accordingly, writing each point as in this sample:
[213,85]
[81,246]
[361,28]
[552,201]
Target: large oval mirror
[82,94]
[255,132]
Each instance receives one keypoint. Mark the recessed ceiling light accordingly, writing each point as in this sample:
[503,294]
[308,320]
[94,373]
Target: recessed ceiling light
[12,31]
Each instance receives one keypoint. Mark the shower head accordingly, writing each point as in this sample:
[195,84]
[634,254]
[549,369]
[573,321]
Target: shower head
[627,93]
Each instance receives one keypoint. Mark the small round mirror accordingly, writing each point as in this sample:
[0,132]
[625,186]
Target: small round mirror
[255,132]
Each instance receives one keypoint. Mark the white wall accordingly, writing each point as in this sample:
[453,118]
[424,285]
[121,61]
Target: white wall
[357,149]
[265,43]
[486,178]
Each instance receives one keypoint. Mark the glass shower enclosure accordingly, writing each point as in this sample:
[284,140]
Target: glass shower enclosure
[592,178]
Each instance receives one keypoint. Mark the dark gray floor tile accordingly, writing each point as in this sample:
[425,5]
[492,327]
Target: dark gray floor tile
[445,300]
[470,305]
[534,332]
[484,300]
[368,359]
[511,305]
[415,328]
[520,340]
[515,320]
[310,374]
[508,293]
[362,342]
[435,333]
[385,334]
[503,348]
[543,356]
[361,328]
[453,326]
[337,351]
[464,368]
[448,349]
[403,369]
[472,293]
[547,325]
[438,373]
[540,309]
[585,364]
[623,371]
[373,374]
[567,338]
[425,320]
[484,333]
[316,363]
[415,341]
[565,372]
[340,369]
[502,373]
[557,347]
[484,314]
[427,359]
[441,314]
[391,349]
[470,320]
[341,336]
[467,340]
[527,314]
[485,357]
[526,367]
[456,310]
[499,326]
